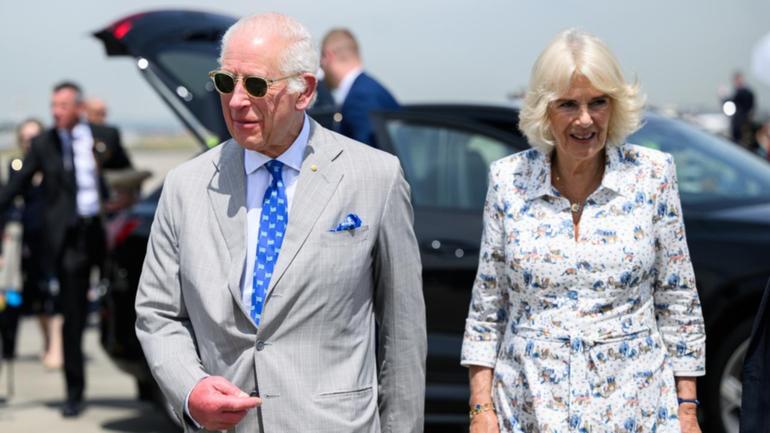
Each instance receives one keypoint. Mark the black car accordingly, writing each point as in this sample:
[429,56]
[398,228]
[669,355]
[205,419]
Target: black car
[446,151]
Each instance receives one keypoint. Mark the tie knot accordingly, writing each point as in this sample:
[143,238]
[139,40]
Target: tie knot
[274,167]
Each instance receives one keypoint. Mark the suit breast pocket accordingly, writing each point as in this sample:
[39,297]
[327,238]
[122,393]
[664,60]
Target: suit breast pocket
[346,237]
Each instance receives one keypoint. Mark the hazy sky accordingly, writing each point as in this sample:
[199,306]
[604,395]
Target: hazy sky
[424,50]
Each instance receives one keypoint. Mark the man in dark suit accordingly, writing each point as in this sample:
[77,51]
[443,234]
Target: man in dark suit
[355,92]
[71,157]
[741,126]
[755,404]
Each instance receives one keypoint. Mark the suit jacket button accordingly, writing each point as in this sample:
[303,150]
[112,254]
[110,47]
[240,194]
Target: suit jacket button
[260,345]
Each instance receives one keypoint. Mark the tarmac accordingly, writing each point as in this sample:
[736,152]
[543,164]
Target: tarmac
[111,396]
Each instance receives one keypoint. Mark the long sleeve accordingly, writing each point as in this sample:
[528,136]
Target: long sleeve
[677,305]
[162,322]
[488,314]
[400,314]
[18,182]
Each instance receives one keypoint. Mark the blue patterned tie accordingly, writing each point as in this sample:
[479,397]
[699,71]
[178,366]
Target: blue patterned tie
[272,226]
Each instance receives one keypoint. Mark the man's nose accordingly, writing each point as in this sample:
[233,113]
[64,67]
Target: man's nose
[239,96]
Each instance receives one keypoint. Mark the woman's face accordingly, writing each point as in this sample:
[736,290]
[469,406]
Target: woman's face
[579,120]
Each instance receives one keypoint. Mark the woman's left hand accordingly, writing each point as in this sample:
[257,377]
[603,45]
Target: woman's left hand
[688,418]
[688,411]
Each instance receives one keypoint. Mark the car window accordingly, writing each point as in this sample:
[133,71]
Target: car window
[709,168]
[446,167]
[191,71]
[185,71]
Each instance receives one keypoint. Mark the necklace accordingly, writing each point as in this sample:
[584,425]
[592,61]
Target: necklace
[575,206]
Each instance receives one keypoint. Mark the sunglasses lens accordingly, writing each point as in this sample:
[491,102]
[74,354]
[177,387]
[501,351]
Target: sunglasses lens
[256,86]
[224,83]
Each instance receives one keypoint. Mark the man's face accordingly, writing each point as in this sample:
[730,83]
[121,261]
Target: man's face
[269,124]
[65,108]
[96,112]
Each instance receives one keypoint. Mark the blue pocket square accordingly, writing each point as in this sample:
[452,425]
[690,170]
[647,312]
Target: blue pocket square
[352,221]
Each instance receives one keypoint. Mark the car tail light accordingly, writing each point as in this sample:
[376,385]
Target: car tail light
[119,229]
[121,28]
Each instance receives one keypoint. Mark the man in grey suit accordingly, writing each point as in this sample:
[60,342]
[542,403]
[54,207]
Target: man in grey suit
[276,257]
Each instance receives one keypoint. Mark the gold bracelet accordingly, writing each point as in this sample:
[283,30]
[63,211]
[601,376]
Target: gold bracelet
[480,407]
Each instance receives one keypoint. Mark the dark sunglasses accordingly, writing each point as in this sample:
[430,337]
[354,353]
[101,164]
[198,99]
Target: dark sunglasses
[256,86]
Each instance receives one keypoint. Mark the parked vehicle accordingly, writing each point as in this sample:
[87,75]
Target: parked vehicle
[445,151]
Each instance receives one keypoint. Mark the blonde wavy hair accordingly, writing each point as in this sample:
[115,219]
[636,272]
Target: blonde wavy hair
[573,53]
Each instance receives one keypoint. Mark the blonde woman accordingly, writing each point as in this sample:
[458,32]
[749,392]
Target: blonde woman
[584,314]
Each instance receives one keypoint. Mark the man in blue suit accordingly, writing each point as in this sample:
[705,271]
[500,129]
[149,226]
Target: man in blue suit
[355,93]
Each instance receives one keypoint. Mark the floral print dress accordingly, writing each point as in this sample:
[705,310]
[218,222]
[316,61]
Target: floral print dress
[585,335]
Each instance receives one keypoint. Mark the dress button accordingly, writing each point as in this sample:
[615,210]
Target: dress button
[260,345]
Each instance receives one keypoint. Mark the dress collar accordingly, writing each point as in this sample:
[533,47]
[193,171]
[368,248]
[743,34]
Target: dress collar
[619,159]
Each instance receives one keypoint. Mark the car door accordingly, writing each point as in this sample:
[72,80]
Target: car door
[445,160]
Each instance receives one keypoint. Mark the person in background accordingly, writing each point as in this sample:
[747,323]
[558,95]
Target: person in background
[584,313]
[741,127]
[40,289]
[755,377]
[71,157]
[96,111]
[355,92]
[762,138]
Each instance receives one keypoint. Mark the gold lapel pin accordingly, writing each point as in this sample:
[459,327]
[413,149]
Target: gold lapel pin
[314,167]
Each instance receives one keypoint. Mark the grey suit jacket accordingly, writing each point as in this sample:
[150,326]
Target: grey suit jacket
[312,359]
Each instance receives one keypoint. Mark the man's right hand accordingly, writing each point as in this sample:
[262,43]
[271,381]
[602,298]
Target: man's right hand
[217,404]
[485,422]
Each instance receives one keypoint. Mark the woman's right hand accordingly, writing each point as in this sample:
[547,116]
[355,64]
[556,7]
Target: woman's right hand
[485,422]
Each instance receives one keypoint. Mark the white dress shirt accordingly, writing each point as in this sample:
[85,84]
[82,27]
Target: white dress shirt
[257,181]
[86,175]
[341,92]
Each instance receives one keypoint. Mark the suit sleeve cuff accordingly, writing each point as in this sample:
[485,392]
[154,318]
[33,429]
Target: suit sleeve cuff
[187,411]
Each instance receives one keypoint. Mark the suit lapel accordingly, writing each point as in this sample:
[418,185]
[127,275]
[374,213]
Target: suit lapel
[314,189]
[227,195]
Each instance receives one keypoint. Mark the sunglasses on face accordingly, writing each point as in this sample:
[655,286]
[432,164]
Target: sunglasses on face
[255,86]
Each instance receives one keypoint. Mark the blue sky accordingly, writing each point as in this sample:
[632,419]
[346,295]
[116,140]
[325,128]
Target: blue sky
[426,50]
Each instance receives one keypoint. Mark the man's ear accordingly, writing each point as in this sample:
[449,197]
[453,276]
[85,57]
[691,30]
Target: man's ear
[304,99]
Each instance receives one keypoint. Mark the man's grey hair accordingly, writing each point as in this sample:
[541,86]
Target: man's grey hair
[300,55]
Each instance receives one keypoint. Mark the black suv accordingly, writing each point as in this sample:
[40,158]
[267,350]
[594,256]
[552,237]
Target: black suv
[445,151]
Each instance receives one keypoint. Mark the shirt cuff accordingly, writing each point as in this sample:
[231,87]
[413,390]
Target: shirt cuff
[686,366]
[187,411]
[689,373]
[479,352]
